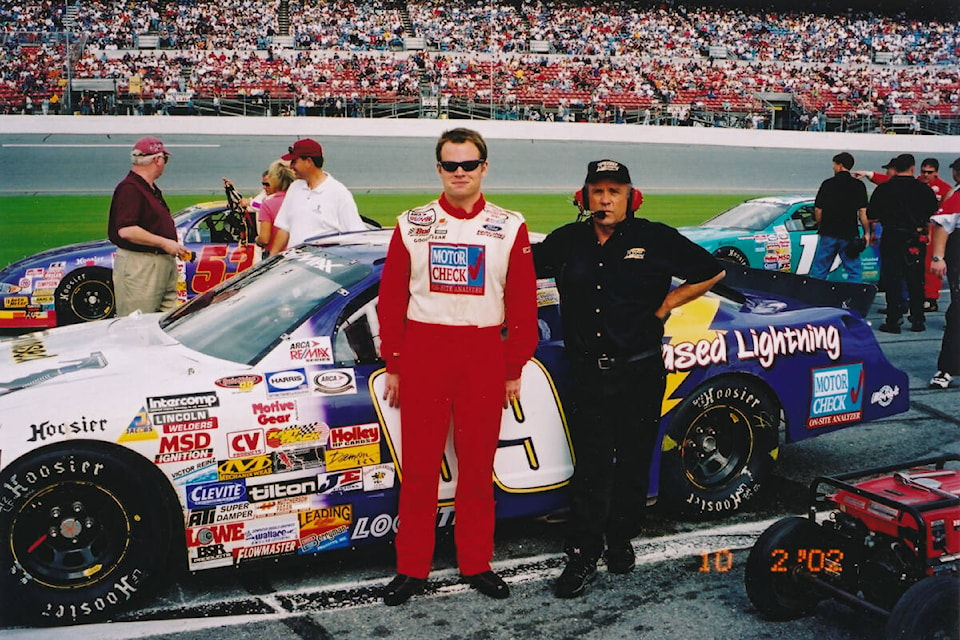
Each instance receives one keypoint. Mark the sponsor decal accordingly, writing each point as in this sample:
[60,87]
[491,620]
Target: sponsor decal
[296,459]
[325,528]
[287,382]
[41,300]
[283,489]
[354,435]
[274,530]
[637,253]
[348,457]
[315,432]
[313,351]
[183,421]
[243,444]
[764,346]
[276,412]
[195,473]
[184,456]
[456,268]
[265,550]
[286,506]
[16,302]
[34,272]
[319,263]
[203,400]
[237,468]
[211,494]
[46,285]
[211,555]
[547,293]
[241,383]
[229,512]
[215,534]
[376,527]
[28,349]
[340,481]
[885,395]
[45,430]
[419,234]
[379,477]
[837,395]
[6,287]
[422,216]
[334,382]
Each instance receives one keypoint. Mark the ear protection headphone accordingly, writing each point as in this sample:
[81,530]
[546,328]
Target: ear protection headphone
[636,199]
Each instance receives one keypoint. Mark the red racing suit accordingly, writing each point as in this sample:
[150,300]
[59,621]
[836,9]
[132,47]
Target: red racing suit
[452,281]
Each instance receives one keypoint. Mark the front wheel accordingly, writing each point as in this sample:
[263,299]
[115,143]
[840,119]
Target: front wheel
[771,575]
[720,448]
[85,295]
[86,528]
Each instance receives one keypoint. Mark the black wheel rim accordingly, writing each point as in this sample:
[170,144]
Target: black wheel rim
[92,300]
[70,535]
[716,447]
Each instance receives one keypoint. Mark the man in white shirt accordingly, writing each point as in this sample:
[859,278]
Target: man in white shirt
[316,203]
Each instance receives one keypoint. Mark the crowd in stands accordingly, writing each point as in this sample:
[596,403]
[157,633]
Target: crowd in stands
[603,57]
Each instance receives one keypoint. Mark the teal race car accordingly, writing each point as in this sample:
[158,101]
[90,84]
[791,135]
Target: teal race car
[777,233]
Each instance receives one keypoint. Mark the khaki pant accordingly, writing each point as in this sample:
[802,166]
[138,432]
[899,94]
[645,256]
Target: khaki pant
[144,281]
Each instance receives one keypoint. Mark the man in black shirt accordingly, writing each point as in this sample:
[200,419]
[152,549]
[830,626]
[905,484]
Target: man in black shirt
[614,275]
[840,205]
[903,206]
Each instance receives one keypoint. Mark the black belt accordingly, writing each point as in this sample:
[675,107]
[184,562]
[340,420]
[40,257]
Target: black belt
[611,362]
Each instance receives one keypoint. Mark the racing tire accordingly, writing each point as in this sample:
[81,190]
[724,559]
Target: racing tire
[929,610]
[720,447]
[86,527]
[731,254]
[85,295]
[771,574]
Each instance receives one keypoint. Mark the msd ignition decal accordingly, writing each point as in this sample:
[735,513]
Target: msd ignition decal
[325,528]
[334,382]
[456,268]
[312,351]
[837,396]
[290,382]
[185,447]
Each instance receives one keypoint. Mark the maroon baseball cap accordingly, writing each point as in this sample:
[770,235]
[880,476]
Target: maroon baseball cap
[149,147]
[306,148]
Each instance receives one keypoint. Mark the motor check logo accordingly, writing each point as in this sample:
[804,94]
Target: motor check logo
[457,268]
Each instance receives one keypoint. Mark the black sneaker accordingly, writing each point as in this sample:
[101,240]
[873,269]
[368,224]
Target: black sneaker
[489,584]
[620,556]
[575,577]
[401,589]
[888,327]
[941,380]
[918,326]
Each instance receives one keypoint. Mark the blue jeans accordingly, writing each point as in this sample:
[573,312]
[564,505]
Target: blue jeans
[829,248]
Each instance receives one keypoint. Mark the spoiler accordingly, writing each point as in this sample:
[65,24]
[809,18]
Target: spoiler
[854,296]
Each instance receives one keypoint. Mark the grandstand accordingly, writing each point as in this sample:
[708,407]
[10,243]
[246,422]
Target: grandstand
[609,61]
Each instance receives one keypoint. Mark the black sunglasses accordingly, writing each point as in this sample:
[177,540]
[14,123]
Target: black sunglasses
[928,171]
[467,165]
[265,184]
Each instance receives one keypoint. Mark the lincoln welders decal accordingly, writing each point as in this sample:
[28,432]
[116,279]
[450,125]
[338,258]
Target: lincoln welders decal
[837,396]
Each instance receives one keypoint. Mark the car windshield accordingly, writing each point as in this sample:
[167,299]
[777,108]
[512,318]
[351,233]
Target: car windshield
[245,317]
[754,215]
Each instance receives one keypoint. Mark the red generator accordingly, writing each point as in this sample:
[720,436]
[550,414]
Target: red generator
[890,544]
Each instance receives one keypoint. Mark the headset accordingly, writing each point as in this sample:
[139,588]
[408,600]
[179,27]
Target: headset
[580,201]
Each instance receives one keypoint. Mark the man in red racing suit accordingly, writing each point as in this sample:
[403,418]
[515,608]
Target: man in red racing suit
[459,270]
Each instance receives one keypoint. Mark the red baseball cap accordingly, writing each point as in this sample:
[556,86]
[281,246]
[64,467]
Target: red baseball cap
[306,148]
[149,147]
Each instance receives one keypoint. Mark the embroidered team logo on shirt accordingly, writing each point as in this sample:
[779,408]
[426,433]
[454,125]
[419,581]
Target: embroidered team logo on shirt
[637,253]
[457,268]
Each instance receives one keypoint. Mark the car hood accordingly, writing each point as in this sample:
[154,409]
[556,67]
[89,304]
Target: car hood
[59,253]
[702,234]
[87,354]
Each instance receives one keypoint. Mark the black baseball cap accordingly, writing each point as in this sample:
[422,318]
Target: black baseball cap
[607,170]
[955,164]
[904,161]
[891,164]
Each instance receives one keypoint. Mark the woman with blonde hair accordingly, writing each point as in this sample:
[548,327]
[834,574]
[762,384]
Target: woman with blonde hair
[276,180]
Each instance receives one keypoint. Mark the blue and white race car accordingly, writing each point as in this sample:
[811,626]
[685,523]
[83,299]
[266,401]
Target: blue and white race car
[248,423]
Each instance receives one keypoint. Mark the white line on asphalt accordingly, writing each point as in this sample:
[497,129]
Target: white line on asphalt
[54,145]
[518,570]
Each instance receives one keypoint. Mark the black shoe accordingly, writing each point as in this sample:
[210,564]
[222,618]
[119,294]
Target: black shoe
[620,557]
[489,584]
[930,305]
[575,577]
[918,326]
[888,327]
[401,589]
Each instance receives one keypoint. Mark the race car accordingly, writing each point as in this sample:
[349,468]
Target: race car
[248,423]
[74,283]
[775,233]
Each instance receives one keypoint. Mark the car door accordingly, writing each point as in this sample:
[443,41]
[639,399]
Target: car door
[218,253]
